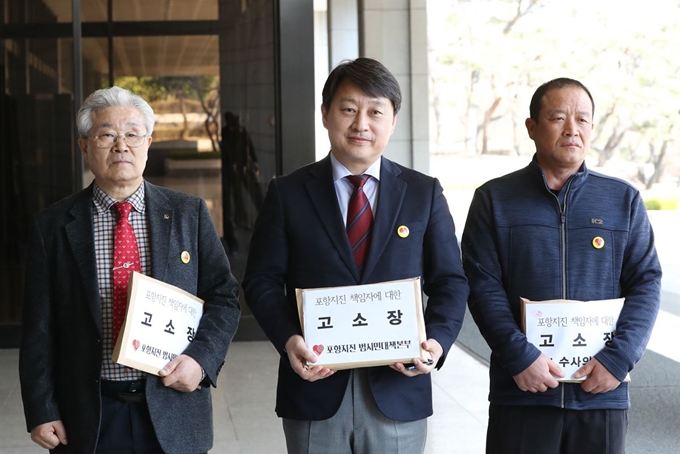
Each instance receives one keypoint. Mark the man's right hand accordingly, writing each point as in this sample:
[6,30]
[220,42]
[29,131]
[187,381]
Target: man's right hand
[539,376]
[299,354]
[49,435]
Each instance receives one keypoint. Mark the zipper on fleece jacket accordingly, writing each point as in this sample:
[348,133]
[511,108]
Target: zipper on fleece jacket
[563,248]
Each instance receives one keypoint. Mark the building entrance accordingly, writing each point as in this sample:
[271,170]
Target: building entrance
[207,67]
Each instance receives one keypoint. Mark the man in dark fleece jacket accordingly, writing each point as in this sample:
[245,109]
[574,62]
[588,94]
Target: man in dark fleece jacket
[531,234]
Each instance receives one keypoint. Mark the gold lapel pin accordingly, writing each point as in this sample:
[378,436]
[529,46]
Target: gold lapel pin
[185,257]
[598,242]
[403,231]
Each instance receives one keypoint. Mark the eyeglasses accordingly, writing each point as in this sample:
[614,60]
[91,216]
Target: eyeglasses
[109,139]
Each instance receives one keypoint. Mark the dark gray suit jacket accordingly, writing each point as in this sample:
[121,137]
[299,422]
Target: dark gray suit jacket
[300,241]
[61,355]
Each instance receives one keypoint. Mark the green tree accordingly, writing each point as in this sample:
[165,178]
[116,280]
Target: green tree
[204,89]
[146,87]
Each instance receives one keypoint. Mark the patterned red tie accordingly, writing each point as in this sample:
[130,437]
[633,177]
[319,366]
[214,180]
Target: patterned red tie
[125,260]
[359,220]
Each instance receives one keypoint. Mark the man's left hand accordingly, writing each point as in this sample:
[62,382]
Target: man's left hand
[436,351]
[182,374]
[599,380]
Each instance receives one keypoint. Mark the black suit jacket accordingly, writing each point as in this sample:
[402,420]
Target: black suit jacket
[299,241]
[60,357]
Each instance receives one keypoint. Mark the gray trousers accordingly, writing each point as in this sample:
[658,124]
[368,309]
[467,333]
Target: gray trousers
[358,427]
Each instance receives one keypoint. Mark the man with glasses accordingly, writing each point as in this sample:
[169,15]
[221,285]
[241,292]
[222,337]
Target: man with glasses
[76,399]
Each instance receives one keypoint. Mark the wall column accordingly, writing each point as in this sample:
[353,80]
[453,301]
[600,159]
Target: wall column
[394,32]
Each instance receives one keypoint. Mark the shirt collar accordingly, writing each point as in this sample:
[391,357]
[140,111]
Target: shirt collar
[103,202]
[340,171]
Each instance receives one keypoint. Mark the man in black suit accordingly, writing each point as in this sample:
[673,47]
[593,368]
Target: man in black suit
[76,400]
[300,241]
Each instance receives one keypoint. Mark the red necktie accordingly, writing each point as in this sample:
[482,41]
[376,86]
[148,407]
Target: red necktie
[359,220]
[125,260]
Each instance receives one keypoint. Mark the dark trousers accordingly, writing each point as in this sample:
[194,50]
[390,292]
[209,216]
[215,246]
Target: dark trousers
[126,425]
[552,430]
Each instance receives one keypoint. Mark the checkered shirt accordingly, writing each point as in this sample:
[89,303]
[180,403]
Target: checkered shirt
[105,219]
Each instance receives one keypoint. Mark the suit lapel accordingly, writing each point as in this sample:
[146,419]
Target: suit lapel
[80,235]
[390,198]
[321,191]
[160,227]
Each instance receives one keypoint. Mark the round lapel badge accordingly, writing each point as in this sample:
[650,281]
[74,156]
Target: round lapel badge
[402,231]
[598,242]
[185,257]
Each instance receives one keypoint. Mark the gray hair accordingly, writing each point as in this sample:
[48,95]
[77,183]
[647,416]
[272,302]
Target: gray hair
[109,97]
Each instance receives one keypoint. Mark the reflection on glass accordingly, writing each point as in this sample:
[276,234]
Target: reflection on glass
[36,145]
[164,10]
[95,64]
[191,80]
[179,76]
[93,10]
[40,11]
[154,56]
